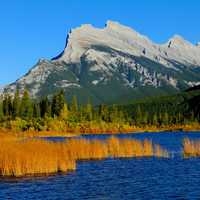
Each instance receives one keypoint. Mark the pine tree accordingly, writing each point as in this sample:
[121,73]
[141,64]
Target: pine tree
[114,114]
[74,105]
[58,103]
[165,119]
[61,100]
[88,110]
[55,106]
[103,113]
[10,105]
[138,116]
[45,107]
[26,108]
[145,118]
[16,104]
[36,110]
[64,112]
[192,117]
[7,105]
[155,119]
[1,109]
[82,116]
[120,117]
[179,118]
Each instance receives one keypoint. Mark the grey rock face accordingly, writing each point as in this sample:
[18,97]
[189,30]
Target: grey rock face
[109,64]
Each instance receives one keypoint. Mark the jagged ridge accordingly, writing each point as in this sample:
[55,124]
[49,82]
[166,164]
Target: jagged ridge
[109,64]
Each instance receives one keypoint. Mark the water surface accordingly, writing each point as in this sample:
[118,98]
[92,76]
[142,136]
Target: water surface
[118,179]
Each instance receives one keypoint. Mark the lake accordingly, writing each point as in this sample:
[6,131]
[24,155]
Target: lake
[118,179]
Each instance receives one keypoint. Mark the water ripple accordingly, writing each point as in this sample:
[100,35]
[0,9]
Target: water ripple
[118,179]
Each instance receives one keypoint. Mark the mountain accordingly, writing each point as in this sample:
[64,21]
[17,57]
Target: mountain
[114,64]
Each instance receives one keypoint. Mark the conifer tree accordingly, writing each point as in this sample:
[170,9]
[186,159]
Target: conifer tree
[10,105]
[145,118]
[179,118]
[16,104]
[26,108]
[45,107]
[165,118]
[103,113]
[82,113]
[88,110]
[1,109]
[64,112]
[58,103]
[74,105]
[36,110]
[61,100]
[55,106]
[7,105]
[114,114]
[121,116]
[138,116]
[155,119]
[192,118]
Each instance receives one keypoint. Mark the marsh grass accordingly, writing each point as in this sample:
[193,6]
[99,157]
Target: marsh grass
[191,148]
[18,158]
[21,157]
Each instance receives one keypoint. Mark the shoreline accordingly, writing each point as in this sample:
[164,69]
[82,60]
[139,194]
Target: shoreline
[44,134]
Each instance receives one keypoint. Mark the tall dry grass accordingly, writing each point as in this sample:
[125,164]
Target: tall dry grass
[191,148]
[20,157]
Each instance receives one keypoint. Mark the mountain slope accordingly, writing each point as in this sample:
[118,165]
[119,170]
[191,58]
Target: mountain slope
[114,64]
[183,106]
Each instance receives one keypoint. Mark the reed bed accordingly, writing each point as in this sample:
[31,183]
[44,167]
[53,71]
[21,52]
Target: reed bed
[22,157]
[191,148]
[18,158]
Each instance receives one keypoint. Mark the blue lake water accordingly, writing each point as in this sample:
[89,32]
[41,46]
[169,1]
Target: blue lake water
[118,179]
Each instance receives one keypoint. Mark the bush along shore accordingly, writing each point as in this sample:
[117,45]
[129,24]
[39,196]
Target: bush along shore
[22,157]
[55,116]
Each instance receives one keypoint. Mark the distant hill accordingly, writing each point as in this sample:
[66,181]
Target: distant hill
[184,104]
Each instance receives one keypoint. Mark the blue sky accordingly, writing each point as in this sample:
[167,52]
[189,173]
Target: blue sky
[33,29]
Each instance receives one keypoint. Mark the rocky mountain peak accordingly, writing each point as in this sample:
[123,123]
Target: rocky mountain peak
[116,26]
[117,60]
[178,41]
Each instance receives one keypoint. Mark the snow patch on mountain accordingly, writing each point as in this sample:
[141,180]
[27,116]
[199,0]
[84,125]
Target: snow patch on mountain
[192,83]
[66,84]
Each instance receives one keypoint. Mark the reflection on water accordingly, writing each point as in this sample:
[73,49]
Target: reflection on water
[135,178]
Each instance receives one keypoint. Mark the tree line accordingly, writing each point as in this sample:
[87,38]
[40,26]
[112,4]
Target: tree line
[36,113]
[26,108]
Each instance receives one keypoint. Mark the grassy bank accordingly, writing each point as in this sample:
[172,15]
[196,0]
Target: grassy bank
[113,128]
[22,156]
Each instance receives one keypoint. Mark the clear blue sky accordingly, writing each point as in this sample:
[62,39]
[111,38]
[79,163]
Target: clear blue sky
[33,29]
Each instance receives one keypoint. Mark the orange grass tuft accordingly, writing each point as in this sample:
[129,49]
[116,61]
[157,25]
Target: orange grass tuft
[21,157]
[191,148]
[18,158]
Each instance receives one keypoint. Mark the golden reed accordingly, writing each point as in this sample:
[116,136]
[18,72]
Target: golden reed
[20,157]
[191,148]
